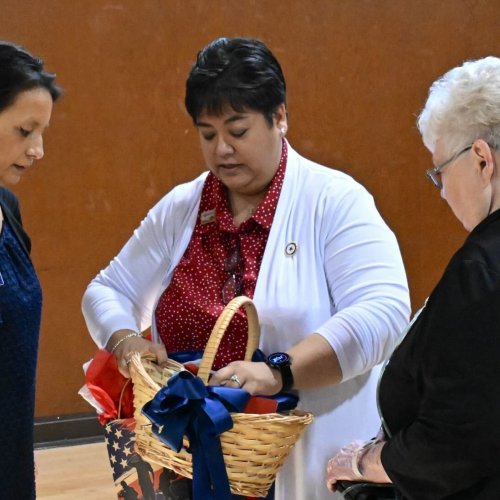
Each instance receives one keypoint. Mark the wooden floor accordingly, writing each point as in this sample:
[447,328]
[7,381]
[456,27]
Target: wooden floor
[74,472]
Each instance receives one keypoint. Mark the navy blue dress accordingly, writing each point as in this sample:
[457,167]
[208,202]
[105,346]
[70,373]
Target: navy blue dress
[20,312]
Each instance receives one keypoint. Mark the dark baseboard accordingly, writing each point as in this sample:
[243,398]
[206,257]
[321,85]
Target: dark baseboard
[67,430]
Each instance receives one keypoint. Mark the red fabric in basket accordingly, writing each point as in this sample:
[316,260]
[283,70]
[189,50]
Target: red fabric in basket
[106,383]
[258,405]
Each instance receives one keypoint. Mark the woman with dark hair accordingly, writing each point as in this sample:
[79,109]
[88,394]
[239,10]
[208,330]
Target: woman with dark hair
[27,93]
[305,242]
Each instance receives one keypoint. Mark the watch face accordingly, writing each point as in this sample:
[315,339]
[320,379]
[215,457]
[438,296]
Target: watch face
[279,358]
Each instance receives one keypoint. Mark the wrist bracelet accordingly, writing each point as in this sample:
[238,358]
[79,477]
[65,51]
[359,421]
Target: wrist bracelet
[358,456]
[355,462]
[128,336]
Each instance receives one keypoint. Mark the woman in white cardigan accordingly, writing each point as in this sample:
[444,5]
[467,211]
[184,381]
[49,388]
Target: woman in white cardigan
[322,267]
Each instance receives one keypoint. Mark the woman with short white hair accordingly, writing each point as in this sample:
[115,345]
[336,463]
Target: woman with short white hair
[438,396]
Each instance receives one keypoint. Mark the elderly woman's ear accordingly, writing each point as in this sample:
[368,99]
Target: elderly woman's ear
[485,159]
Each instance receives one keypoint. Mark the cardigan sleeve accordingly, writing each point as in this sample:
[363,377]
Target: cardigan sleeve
[123,295]
[367,282]
[9,200]
[12,213]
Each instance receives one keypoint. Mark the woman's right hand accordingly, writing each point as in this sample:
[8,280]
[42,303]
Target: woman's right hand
[126,347]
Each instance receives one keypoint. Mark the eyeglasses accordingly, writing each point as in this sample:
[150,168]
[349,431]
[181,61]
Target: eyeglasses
[434,174]
[234,283]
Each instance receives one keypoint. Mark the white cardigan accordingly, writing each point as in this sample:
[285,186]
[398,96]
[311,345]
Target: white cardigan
[345,281]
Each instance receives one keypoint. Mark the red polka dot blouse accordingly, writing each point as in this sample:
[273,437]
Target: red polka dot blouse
[220,262]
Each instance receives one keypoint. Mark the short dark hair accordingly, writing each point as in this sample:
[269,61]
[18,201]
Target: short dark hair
[19,72]
[239,72]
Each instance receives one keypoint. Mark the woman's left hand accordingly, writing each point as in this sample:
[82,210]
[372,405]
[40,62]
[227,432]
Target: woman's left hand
[255,378]
[357,462]
[341,465]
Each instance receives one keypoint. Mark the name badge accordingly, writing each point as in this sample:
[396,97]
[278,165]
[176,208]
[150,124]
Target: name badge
[207,216]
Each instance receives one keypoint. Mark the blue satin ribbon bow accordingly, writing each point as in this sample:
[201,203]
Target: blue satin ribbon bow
[185,406]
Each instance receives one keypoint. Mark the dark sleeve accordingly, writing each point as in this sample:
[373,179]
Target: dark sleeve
[12,213]
[454,442]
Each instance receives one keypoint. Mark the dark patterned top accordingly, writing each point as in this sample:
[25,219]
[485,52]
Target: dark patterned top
[20,311]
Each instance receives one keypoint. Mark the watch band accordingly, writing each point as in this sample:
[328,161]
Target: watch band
[286,377]
[282,361]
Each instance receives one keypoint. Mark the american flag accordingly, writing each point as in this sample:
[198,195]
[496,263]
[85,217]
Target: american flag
[120,441]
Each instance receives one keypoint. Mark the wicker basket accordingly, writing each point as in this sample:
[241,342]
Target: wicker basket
[257,445]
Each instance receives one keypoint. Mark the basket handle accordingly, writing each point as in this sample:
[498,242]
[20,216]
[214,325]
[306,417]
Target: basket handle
[219,330]
[122,393]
